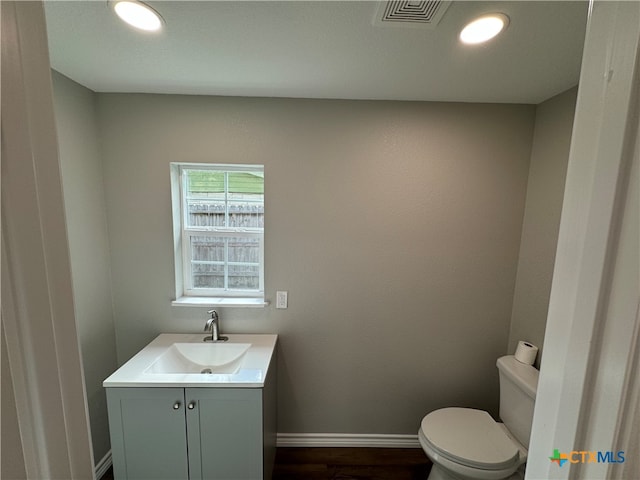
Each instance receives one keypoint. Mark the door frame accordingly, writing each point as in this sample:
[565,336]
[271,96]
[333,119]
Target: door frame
[585,340]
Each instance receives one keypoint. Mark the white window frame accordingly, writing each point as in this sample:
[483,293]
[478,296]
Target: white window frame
[186,294]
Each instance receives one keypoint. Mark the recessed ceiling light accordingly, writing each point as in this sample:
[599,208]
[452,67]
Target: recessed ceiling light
[484,28]
[138,15]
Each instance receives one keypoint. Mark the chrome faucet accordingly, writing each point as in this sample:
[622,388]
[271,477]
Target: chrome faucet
[212,326]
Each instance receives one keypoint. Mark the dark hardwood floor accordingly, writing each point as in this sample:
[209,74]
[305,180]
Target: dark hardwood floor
[327,463]
[351,464]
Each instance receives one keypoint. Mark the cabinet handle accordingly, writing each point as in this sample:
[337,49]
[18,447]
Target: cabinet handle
[191,405]
[176,405]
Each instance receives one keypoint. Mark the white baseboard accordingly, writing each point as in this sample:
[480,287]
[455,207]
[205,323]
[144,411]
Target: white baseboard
[103,465]
[347,440]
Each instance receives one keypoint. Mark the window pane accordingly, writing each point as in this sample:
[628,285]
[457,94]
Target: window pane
[207,275]
[246,200]
[207,249]
[205,214]
[224,199]
[210,253]
[243,277]
[246,215]
[246,183]
[205,183]
[207,262]
[244,250]
[205,196]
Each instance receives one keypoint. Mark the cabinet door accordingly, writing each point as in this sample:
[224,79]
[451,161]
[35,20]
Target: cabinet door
[148,433]
[225,433]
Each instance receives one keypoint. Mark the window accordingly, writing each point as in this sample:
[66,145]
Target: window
[218,213]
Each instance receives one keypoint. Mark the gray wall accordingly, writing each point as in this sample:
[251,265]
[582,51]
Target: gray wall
[545,191]
[395,227]
[85,212]
[12,466]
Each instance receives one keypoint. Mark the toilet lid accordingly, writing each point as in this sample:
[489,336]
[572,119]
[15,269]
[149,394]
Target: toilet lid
[470,437]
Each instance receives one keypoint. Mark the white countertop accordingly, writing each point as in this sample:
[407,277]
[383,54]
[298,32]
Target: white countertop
[251,374]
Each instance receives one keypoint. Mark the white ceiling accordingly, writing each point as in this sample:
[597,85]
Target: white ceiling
[319,49]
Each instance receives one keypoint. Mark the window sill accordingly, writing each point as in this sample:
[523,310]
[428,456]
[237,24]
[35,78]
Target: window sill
[219,302]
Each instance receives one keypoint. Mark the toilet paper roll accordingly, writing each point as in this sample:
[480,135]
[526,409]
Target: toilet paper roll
[526,353]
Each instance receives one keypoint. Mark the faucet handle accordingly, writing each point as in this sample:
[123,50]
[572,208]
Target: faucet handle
[213,313]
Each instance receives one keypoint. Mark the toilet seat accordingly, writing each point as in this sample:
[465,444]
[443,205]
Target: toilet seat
[469,437]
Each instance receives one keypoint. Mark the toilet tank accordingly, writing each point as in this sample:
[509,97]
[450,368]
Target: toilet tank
[518,385]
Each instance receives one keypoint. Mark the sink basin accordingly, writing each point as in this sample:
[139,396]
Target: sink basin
[206,358]
[184,360]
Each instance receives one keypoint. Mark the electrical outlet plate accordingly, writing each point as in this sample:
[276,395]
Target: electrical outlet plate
[281,299]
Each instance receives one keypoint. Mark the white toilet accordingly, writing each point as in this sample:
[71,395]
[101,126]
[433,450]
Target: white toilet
[467,444]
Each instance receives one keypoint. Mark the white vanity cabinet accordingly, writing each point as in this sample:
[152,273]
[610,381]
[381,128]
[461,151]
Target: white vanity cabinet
[148,433]
[191,433]
[194,429]
[225,434]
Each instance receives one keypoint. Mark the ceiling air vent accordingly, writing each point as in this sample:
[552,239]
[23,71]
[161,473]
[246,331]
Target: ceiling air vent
[409,13]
